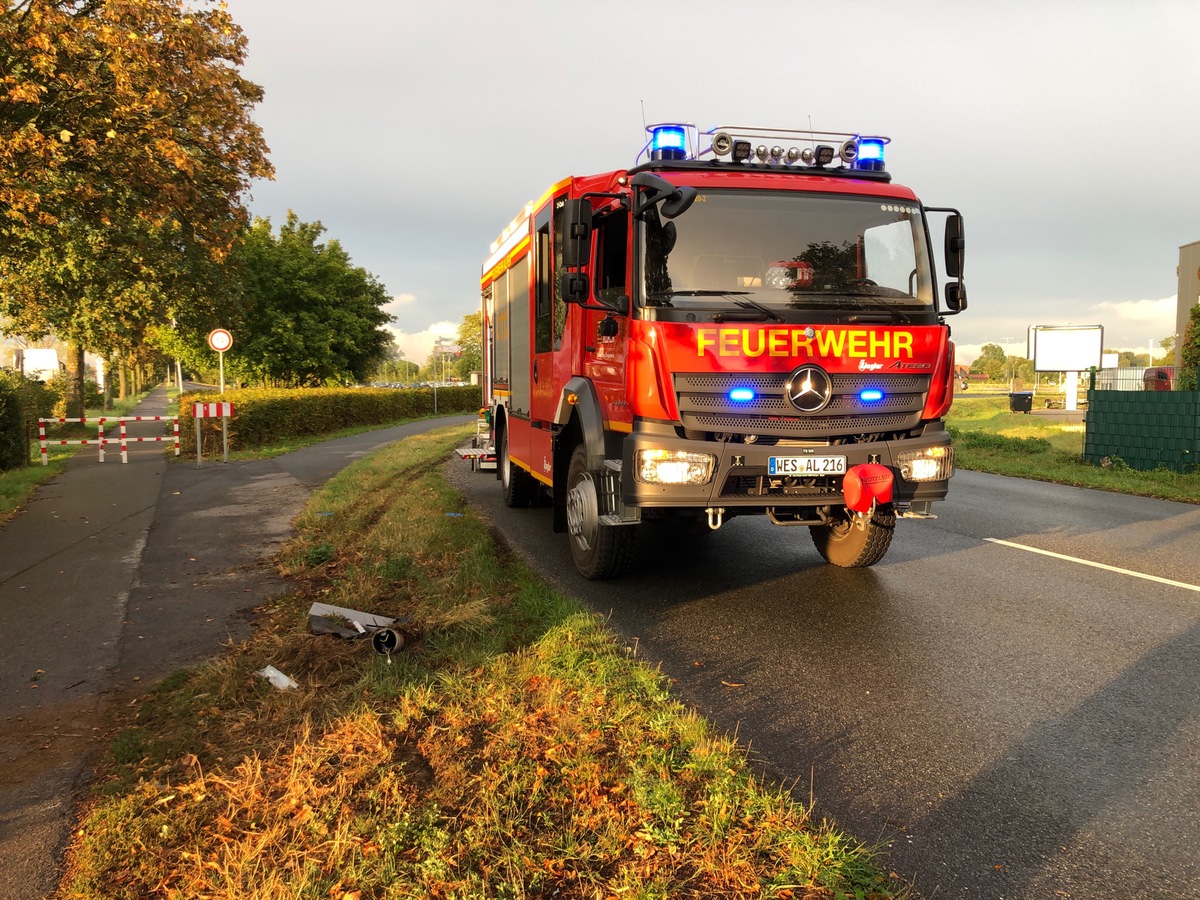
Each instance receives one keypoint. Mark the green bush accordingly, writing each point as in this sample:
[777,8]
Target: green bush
[22,403]
[263,417]
[60,387]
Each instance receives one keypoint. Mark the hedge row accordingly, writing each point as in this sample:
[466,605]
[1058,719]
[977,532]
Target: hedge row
[265,417]
[22,402]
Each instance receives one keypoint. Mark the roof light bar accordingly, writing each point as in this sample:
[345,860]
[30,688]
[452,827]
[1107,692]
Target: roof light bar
[741,144]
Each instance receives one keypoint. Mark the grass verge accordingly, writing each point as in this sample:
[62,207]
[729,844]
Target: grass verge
[989,438]
[511,749]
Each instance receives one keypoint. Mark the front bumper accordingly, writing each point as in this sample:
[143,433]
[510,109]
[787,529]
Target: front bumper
[740,477]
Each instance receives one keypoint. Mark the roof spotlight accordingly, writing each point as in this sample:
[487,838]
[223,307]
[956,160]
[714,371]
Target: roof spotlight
[722,143]
[776,153]
[824,155]
[807,155]
[793,154]
[849,151]
[761,152]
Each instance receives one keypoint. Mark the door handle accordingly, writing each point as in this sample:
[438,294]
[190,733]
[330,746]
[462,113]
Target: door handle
[535,371]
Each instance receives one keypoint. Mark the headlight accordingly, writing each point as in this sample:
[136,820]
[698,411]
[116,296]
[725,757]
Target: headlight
[930,464]
[673,467]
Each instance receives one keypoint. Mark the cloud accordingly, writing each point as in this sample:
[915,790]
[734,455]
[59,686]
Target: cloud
[399,302]
[1136,324]
[1141,310]
[418,345]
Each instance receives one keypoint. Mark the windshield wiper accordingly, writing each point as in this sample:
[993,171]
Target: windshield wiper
[667,295]
[739,298]
[747,303]
[880,303]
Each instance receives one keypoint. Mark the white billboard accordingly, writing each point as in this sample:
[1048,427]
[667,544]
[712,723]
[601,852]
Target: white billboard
[1065,348]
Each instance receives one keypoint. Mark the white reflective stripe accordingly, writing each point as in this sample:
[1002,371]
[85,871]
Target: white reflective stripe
[1096,565]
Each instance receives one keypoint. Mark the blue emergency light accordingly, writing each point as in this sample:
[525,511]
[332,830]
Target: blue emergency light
[870,155]
[870,395]
[741,395]
[668,142]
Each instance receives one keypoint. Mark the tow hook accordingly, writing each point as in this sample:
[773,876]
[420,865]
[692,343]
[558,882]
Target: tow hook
[860,519]
[715,516]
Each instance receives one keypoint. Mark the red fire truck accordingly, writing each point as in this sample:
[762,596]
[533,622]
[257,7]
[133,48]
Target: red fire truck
[747,322]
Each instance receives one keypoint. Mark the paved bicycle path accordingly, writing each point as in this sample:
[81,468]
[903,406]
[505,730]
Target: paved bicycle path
[113,576]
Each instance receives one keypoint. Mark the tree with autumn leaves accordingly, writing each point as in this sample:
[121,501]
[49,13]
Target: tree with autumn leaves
[126,147]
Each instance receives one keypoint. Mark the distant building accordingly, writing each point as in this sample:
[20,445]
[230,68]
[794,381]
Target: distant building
[1189,293]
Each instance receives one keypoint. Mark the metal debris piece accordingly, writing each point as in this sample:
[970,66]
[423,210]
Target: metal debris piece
[342,622]
[353,624]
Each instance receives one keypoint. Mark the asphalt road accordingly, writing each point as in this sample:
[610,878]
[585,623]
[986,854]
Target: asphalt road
[1006,723]
[112,577]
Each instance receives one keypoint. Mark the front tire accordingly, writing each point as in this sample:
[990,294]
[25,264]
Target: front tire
[515,482]
[842,543]
[598,550]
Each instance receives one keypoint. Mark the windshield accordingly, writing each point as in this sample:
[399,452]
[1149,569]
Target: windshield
[758,255]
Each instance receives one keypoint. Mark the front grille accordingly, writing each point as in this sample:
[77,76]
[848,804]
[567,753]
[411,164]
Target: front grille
[704,405]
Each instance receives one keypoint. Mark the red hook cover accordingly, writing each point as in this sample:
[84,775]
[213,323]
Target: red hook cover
[866,485]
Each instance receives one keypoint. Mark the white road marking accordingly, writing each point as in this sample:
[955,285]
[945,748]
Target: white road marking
[1096,565]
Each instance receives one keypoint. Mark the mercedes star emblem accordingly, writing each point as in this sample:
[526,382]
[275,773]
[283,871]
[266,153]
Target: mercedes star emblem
[809,389]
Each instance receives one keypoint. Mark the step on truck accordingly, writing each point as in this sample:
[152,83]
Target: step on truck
[746,322]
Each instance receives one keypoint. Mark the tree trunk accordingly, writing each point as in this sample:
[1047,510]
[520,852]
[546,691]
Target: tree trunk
[74,398]
[108,384]
[123,379]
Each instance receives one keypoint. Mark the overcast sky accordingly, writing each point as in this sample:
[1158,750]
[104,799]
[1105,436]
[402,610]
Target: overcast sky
[1066,131]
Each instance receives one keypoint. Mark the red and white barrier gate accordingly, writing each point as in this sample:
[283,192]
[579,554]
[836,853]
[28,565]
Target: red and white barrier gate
[221,411]
[101,440]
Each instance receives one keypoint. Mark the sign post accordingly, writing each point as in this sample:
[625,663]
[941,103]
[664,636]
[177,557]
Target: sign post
[220,340]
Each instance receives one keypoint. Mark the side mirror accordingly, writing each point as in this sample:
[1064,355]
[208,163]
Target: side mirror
[956,296]
[614,299]
[675,200]
[576,234]
[678,204]
[575,287]
[954,246]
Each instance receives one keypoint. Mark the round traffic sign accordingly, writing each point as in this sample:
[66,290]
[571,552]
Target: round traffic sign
[220,340]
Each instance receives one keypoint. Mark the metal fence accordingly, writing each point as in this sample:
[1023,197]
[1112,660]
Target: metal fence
[1135,378]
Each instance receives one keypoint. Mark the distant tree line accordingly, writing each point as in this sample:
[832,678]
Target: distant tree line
[1000,367]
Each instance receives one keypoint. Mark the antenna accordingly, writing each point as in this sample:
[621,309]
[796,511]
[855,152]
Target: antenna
[643,102]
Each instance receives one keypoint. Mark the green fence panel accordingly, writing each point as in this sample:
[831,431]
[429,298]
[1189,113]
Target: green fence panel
[1147,430]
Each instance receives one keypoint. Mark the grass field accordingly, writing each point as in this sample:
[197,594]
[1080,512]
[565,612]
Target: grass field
[989,438]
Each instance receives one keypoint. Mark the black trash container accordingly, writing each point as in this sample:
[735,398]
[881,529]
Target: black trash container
[1020,401]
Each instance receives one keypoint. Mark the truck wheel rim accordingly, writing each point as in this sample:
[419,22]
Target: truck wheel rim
[583,516]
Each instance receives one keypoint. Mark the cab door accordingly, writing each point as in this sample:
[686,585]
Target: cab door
[606,333]
[549,319]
